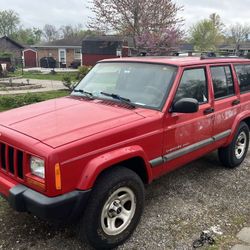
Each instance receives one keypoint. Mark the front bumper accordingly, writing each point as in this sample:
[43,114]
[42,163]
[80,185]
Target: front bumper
[66,207]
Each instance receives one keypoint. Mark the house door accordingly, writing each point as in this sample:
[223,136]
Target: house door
[30,58]
[62,58]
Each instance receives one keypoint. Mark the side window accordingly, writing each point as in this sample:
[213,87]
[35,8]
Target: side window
[222,81]
[243,73]
[193,85]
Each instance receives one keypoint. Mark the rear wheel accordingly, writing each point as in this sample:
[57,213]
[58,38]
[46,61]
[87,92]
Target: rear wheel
[234,154]
[114,209]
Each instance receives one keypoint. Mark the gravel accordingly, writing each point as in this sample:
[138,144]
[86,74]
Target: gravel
[179,206]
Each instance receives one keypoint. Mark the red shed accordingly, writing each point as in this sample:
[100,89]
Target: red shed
[104,47]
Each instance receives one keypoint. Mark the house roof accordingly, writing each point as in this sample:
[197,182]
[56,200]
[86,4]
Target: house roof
[107,38]
[186,47]
[75,42]
[110,38]
[242,46]
[245,45]
[12,41]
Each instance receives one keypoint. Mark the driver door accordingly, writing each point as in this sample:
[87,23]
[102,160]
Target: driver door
[186,136]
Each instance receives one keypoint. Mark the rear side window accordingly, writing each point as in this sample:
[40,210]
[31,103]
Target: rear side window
[222,81]
[193,85]
[243,74]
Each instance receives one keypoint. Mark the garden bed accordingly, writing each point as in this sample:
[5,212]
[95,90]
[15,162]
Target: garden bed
[7,86]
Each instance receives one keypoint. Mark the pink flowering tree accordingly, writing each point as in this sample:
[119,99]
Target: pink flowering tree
[140,19]
[161,42]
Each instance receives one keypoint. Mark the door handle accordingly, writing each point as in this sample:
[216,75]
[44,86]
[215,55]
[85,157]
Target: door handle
[236,102]
[208,111]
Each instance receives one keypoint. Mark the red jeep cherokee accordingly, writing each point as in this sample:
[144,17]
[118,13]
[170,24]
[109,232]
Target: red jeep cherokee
[128,122]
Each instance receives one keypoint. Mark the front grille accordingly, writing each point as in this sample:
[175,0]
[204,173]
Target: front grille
[11,161]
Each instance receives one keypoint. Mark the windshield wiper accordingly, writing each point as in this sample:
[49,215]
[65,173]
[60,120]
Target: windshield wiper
[86,93]
[120,98]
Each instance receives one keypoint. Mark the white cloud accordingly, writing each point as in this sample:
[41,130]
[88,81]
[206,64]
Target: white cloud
[230,11]
[38,13]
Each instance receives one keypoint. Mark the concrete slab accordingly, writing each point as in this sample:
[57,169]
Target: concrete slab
[240,247]
[46,70]
[244,235]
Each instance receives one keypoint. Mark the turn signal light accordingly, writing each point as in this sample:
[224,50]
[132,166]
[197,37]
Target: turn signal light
[58,181]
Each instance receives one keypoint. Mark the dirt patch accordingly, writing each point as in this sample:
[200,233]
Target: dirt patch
[5,85]
[178,207]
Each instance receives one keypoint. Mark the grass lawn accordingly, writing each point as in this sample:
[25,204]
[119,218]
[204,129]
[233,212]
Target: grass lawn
[15,101]
[42,76]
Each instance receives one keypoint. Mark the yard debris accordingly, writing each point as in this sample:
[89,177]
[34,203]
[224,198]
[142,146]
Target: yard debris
[216,230]
[205,237]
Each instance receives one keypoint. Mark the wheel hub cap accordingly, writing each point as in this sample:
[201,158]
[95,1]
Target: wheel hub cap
[240,146]
[118,211]
[115,209]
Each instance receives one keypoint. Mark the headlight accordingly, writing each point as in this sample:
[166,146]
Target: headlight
[37,167]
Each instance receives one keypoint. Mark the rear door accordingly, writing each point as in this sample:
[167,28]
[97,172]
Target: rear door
[243,75]
[226,101]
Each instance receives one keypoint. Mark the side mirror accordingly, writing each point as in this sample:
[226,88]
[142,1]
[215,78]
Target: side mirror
[185,105]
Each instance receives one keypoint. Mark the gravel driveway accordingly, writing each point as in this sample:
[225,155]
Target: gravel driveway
[178,207]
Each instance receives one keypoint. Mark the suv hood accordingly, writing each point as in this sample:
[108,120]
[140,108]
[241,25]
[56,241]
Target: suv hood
[64,120]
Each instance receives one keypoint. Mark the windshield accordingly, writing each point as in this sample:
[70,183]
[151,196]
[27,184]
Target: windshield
[142,84]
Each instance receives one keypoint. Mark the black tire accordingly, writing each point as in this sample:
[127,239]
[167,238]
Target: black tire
[228,155]
[91,227]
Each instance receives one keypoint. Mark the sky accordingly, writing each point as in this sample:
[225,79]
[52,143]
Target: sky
[62,12]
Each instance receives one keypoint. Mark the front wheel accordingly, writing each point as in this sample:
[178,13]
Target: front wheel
[234,154]
[114,209]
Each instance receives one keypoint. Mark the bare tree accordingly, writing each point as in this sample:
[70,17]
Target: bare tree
[67,31]
[9,21]
[134,17]
[239,33]
[70,31]
[50,32]
[217,23]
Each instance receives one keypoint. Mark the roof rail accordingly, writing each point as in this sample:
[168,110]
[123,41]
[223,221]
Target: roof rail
[203,57]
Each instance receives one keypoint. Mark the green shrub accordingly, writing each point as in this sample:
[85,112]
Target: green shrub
[82,72]
[15,101]
[68,81]
[6,54]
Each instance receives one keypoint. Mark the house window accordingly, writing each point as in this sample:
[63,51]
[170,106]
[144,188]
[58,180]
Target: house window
[78,54]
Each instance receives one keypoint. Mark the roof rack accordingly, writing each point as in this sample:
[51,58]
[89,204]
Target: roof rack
[208,55]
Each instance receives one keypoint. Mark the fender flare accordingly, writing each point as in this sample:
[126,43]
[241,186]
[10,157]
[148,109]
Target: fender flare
[102,162]
[239,118]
